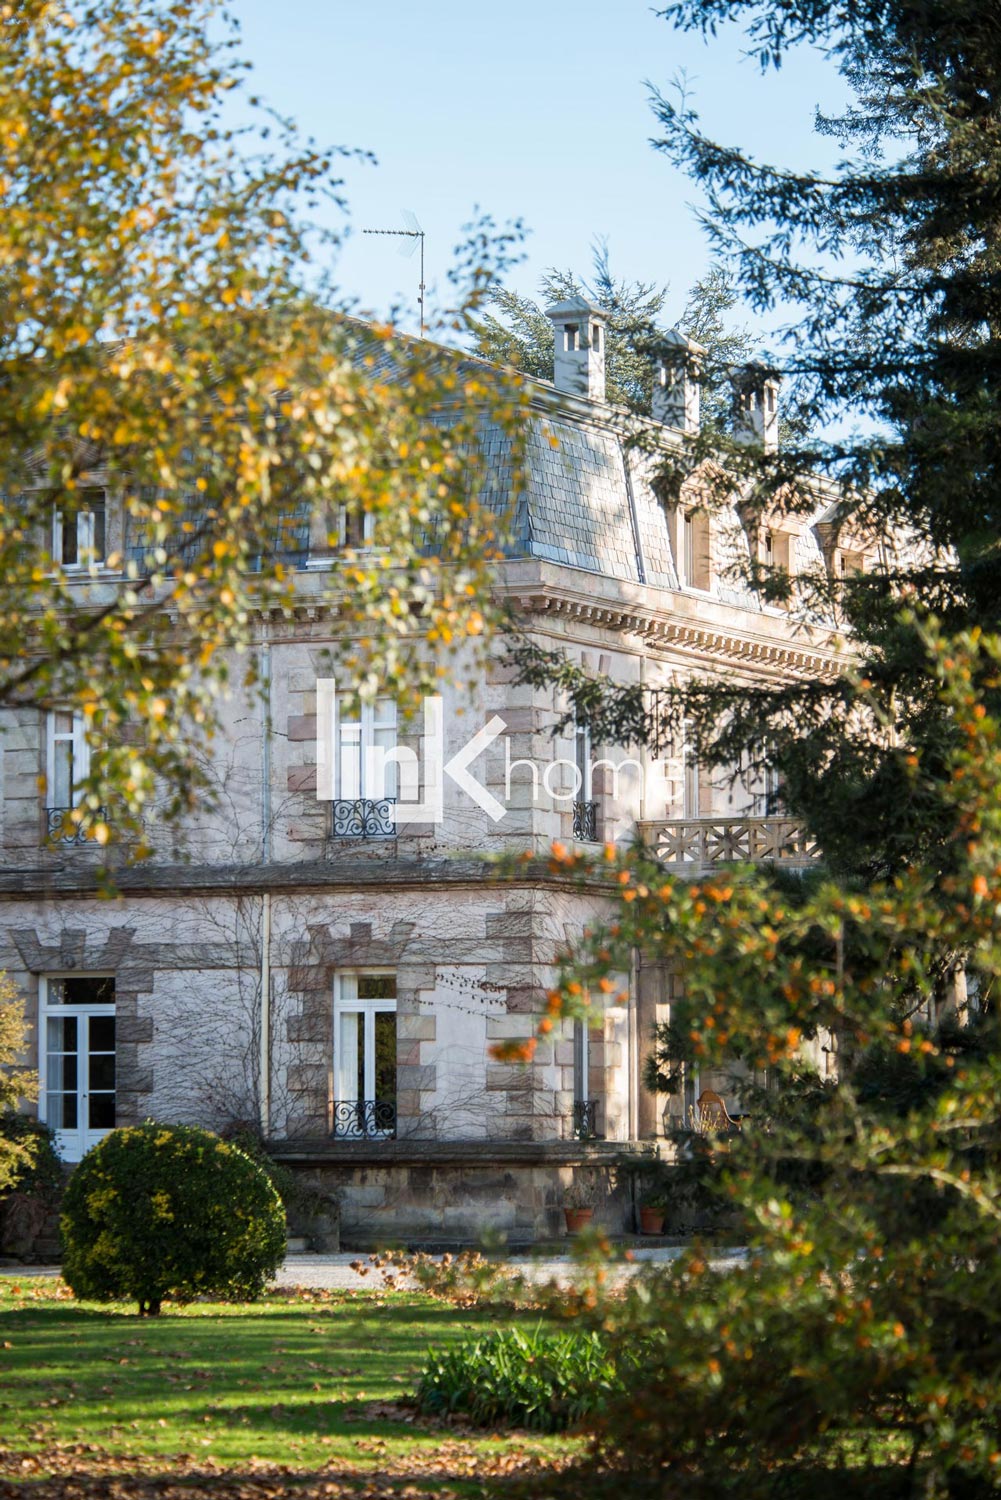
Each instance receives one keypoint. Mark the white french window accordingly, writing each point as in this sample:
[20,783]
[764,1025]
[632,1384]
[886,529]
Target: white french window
[77,1060]
[365,774]
[690,790]
[585,1109]
[583,759]
[79,536]
[67,758]
[363,742]
[364,1054]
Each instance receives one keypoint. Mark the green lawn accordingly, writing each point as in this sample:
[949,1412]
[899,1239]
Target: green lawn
[302,1380]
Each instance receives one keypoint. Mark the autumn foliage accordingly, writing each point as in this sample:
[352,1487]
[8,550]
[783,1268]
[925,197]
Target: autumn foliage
[857,1344]
[170,334]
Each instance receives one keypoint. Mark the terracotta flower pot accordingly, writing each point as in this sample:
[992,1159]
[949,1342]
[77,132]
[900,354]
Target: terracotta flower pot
[577,1218]
[651,1221]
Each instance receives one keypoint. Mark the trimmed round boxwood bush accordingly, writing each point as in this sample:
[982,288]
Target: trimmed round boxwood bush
[156,1212]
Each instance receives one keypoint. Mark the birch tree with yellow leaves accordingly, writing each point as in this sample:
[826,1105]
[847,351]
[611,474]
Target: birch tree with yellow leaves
[183,403]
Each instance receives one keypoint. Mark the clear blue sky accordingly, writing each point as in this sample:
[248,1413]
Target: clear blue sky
[535,110]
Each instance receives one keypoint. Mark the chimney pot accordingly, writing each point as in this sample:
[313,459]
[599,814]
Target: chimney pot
[579,329]
[676,389]
[756,406]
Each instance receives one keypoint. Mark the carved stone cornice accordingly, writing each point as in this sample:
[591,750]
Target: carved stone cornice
[709,641]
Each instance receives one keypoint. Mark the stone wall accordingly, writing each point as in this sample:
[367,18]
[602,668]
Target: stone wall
[427,1194]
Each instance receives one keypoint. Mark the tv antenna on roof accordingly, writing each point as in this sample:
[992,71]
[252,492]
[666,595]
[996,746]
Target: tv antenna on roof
[414,233]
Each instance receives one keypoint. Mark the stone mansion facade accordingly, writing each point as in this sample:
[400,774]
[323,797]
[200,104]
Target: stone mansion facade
[298,958]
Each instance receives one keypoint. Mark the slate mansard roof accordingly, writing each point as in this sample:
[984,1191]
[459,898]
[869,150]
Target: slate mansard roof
[589,504]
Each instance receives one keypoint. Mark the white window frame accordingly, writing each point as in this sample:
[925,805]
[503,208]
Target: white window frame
[347,1002]
[71,1144]
[77,737]
[83,520]
[376,717]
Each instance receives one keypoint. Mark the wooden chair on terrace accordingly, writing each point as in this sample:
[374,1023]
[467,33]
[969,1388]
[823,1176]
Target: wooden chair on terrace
[710,1117]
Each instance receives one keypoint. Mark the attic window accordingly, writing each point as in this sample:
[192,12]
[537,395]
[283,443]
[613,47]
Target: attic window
[778,550]
[696,567]
[571,337]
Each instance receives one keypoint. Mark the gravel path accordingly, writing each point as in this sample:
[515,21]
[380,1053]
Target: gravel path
[336,1272]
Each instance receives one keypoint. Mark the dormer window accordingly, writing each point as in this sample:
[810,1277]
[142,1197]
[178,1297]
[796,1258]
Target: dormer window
[696,564]
[850,562]
[778,550]
[79,532]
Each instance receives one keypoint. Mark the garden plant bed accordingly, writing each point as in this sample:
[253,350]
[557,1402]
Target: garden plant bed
[301,1391]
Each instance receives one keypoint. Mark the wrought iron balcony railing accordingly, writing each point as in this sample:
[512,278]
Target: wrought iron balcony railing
[698,844]
[585,1119]
[364,1119]
[585,821]
[59,830]
[363,818]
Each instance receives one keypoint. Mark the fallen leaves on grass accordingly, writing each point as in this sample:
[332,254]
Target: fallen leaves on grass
[89,1472]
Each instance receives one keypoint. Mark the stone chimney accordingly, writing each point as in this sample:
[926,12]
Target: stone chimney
[676,388]
[579,365]
[756,406]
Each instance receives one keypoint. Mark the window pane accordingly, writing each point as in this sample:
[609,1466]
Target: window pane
[348,1056]
[61,790]
[61,1034]
[385,1056]
[360,1091]
[580,1060]
[96,506]
[60,1111]
[101,1112]
[349,760]
[102,1033]
[79,989]
[102,1072]
[70,550]
[383,782]
[582,755]
[376,986]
